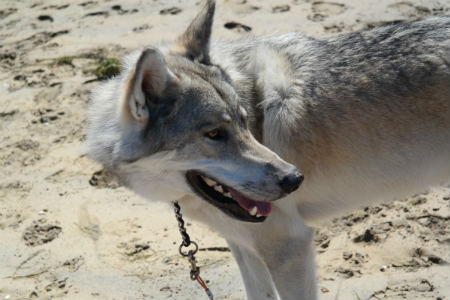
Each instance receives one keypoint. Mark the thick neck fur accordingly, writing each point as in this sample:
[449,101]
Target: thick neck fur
[258,69]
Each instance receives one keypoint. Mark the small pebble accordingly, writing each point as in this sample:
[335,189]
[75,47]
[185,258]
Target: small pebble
[347,255]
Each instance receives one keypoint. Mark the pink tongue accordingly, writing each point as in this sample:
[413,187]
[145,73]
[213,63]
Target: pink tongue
[263,208]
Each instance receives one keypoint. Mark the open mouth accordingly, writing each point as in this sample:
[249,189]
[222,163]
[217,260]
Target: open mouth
[228,200]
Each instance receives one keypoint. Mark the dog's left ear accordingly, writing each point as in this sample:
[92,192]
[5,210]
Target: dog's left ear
[194,42]
[146,85]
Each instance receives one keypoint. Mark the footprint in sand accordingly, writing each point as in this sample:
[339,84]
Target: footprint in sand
[322,10]
[237,26]
[45,18]
[58,7]
[241,7]
[96,14]
[40,232]
[281,8]
[328,8]
[142,28]
[121,11]
[170,11]
[88,4]
[6,12]
[407,9]
[104,179]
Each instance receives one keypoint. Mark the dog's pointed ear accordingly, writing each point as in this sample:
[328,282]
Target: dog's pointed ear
[147,84]
[194,42]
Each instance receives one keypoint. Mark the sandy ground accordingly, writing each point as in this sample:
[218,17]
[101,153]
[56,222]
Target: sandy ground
[69,231]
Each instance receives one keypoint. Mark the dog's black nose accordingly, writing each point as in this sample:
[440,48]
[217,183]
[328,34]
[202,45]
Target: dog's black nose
[292,181]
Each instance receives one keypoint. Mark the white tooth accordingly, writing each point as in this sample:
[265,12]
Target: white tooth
[258,216]
[227,194]
[253,211]
[208,181]
[218,188]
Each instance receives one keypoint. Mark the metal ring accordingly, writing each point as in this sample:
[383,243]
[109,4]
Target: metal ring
[185,254]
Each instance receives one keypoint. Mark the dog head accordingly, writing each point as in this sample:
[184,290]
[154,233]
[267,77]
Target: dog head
[172,124]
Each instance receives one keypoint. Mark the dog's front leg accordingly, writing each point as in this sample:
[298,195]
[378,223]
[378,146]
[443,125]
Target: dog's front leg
[284,244]
[257,280]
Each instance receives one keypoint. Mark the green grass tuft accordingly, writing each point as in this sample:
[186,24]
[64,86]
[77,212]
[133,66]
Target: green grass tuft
[65,60]
[107,67]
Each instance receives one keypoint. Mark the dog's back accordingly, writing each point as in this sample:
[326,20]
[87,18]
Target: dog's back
[366,115]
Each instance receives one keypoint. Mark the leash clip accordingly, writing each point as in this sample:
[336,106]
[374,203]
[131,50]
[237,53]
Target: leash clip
[194,274]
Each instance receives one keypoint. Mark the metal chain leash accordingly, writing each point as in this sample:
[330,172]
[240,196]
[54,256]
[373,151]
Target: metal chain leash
[190,254]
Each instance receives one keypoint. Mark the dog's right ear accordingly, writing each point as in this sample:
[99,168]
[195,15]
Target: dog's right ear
[146,85]
[194,42]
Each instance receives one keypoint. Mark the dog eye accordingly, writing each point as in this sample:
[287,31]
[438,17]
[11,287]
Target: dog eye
[216,134]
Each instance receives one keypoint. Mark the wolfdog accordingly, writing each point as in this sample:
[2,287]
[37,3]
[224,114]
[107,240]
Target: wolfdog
[231,130]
